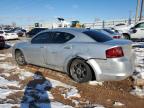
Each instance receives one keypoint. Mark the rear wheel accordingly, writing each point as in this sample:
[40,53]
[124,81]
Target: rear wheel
[80,71]
[19,57]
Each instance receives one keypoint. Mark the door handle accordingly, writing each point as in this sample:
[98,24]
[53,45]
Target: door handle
[68,47]
[42,46]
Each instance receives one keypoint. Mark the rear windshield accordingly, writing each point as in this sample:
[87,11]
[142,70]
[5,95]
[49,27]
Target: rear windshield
[109,31]
[97,36]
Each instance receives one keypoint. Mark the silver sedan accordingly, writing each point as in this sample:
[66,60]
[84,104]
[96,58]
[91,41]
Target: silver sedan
[81,53]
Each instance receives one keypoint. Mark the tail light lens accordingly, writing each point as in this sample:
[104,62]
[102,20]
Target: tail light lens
[116,37]
[114,52]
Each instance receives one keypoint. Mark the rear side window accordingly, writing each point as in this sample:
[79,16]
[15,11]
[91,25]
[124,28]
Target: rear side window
[97,36]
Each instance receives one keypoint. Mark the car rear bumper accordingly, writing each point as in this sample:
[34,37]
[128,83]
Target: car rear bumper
[112,69]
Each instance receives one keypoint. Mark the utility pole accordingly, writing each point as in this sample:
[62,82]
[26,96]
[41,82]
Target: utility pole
[141,11]
[137,10]
[130,14]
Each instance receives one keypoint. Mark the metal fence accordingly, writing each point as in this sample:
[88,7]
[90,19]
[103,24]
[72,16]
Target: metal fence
[110,23]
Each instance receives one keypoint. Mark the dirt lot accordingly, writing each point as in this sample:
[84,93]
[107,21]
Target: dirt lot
[115,94]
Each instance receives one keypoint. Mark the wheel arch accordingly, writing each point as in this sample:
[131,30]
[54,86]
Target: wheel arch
[19,49]
[81,58]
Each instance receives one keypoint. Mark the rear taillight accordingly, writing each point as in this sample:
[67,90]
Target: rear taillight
[116,37]
[114,52]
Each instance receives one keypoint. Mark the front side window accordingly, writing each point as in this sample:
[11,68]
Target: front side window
[97,36]
[61,37]
[140,25]
[42,38]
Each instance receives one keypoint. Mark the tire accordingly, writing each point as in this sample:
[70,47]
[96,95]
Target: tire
[2,46]
[126,36]
[80,71]
[19,57]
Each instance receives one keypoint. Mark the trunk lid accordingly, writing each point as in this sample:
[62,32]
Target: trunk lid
[125,44]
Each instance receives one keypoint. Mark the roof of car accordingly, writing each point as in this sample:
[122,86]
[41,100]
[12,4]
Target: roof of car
[69,29]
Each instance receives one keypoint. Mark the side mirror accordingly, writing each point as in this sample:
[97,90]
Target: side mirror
[134,30]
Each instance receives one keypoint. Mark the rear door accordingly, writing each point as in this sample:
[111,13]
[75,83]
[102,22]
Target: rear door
[38,47]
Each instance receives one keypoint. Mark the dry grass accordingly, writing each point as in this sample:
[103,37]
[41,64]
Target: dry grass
[13,77]
[14,88]
[15,107]
[23,83]
[58,97]
[16,97]
[1,70]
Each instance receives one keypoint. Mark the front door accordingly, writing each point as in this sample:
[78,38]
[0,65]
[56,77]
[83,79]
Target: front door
[38,47]
[138,31]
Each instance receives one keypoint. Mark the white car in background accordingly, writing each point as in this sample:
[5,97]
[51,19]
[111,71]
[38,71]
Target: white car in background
[123,29]
[8,35]
[133,32]
[110,33]
[137,31]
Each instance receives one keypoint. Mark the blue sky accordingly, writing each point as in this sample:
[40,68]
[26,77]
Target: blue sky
[29,11]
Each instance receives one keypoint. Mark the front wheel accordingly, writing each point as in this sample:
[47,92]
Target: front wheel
[19,57]
[80,71]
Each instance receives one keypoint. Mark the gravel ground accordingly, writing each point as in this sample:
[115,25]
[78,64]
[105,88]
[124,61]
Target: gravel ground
[64,92]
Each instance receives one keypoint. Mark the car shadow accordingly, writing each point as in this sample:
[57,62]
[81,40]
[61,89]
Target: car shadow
[35,95]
